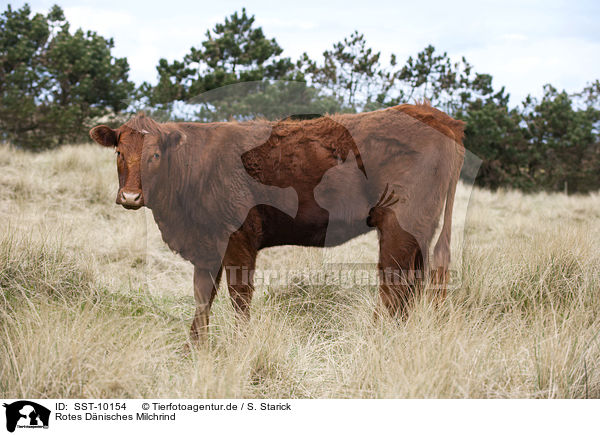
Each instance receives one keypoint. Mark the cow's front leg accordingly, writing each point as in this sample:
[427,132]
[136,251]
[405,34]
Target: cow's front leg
[239,264]
[205,289]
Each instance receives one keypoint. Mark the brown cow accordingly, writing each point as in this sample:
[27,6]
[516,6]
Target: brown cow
[220,192]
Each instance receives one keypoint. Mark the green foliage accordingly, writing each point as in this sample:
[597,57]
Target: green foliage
[434,77]
[52,81]
[548,144]
[233,52]
[236,72]
[350,72]
[493,133]
[22,42]
[264,99]
[86,81]
[565,140]
[237,51]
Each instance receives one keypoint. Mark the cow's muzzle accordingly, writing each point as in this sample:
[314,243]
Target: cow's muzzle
[130,200]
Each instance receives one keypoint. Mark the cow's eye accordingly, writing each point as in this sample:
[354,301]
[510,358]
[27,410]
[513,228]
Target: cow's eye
[156,155]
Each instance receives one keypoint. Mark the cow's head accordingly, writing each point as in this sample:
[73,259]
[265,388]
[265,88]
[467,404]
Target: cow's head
[160,167]
[128,144]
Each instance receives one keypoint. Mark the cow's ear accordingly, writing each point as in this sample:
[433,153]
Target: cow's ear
[104,135]
[170,139]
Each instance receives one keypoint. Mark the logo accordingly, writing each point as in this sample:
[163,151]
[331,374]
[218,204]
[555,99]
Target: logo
[26,414]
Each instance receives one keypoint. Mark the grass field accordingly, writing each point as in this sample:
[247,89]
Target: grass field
[94,305]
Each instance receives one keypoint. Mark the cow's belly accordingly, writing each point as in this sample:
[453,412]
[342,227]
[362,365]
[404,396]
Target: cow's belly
[314,228]
[339,232]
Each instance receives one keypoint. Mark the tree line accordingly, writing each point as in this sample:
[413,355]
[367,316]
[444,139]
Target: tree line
[55,83]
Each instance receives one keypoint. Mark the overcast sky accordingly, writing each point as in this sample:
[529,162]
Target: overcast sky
[522,44]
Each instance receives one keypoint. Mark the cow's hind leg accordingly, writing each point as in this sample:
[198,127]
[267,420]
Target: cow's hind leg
[400,269]
[439,274]
[239,264]
[205,289]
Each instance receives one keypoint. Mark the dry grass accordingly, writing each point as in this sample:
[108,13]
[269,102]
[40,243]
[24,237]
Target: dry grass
[93,305]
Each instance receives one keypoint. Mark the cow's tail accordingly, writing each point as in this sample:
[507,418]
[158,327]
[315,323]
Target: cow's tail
[441,252]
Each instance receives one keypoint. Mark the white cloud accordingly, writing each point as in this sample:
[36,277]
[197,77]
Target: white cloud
[103,21]
[513,37]
[287,24]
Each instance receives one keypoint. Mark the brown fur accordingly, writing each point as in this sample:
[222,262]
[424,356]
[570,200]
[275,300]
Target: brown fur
[220,192]
[445,124]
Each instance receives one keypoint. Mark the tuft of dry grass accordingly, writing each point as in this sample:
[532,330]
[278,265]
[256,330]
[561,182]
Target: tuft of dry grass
[93,304]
